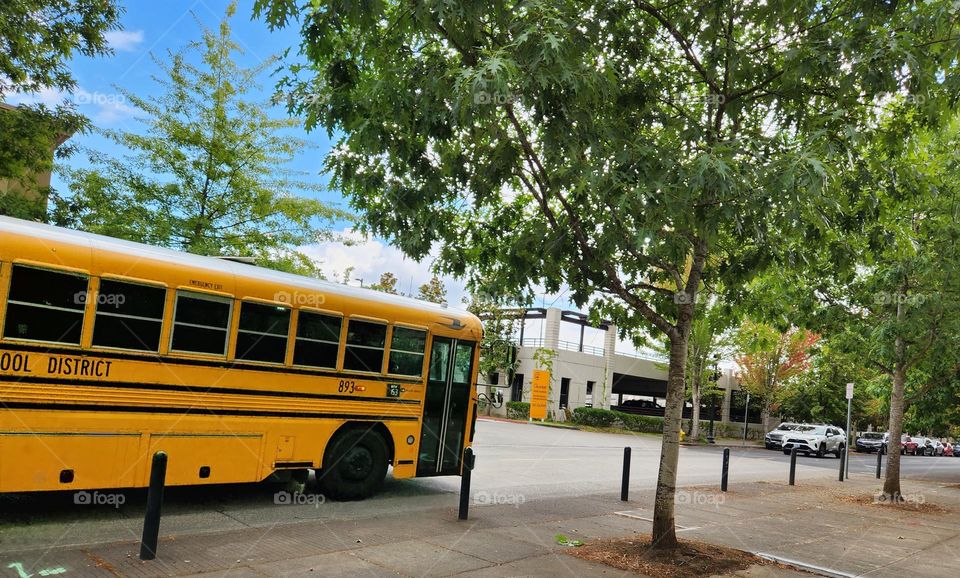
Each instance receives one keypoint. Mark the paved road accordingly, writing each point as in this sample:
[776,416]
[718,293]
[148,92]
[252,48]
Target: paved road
[515,463]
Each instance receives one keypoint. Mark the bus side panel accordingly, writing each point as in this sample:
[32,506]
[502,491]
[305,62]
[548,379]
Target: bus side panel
[208,458]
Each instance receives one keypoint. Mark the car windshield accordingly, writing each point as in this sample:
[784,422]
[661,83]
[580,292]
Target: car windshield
[872,436]
[815,429]
[787,426]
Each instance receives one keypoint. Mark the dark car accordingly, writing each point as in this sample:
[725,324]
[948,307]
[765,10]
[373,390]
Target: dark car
[872,441]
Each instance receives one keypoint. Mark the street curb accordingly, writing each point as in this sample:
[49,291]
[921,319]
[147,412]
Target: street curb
[820,570]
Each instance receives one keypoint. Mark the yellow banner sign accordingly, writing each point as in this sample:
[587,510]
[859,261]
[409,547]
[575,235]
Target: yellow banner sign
[539,390]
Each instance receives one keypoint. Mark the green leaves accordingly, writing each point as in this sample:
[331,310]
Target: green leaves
[208,174]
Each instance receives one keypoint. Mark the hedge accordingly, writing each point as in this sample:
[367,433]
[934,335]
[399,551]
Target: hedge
[518,410]
[640,423]
[594,416]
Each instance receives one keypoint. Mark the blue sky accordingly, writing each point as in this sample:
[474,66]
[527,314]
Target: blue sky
[154,28]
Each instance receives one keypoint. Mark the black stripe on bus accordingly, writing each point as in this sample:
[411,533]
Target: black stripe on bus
[155,358]
[198,389]
[200,412]
[293,464]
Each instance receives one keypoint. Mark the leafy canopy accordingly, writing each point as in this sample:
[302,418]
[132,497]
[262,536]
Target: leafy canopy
[209,173]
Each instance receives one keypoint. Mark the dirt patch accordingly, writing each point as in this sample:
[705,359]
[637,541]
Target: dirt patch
[692,559]
[909,504]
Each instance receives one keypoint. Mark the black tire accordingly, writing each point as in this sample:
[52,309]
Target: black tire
[354,465]
[839,451]
[786,452]
[822,450]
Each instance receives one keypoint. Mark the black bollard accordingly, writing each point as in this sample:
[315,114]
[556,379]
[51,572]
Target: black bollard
[726,469]
[793,466]
[151,521]
[625,482]
[468,462]
[879,461]
[843,460]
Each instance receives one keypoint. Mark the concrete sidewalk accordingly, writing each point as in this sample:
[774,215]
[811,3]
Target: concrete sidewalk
[815,523]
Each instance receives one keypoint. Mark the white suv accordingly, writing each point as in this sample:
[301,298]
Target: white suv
[815,439]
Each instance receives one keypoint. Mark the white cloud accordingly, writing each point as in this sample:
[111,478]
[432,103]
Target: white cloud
[370,258]
[124,40]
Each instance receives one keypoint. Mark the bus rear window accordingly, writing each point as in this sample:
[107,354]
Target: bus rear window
[129,316]
[45,305]
[262,335]
[201,323]
[365,344]
[318,340]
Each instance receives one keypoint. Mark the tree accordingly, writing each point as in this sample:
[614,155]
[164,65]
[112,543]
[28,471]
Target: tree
[37,39]
[611,147]
[386,284]
[433,291]
[770,358]
[208,174]
[885,288]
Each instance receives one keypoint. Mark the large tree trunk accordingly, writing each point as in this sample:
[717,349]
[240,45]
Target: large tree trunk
[695,415]
[664,529]
[765,418]
[891,483]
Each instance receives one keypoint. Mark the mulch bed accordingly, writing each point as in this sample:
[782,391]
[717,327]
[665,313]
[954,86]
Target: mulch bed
[690,560]
[909,505]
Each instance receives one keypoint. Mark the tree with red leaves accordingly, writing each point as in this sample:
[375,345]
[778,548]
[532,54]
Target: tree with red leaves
[770,358]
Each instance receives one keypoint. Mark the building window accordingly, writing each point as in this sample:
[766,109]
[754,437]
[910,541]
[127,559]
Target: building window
[45,305]
[589,400]
[407,347]
[129,316]
[365,344]
[564,392]
[318,340]
[516,393]
[262,334]
[201,323]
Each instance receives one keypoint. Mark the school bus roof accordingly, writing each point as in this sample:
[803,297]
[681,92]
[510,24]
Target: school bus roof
[51,238]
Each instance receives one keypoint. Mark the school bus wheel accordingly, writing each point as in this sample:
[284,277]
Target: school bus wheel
[354,465]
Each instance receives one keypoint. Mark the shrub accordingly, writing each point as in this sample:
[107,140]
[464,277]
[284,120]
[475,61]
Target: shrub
[518,410]
[640,423]
[594,416]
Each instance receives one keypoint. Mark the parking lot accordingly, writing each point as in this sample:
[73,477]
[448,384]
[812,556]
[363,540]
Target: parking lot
[516,463]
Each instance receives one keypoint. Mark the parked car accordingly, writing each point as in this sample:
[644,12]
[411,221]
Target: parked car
[872,441]
[774,438]
[925,446]
[956,450]
[948,449]
[815,439]
[938,447]
[908,445]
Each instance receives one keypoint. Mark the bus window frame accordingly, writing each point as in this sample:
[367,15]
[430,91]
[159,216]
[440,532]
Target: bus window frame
[341,342]
[208,296]
[85,312]
[386,343]
[426,348]
[163,319]
[235,331]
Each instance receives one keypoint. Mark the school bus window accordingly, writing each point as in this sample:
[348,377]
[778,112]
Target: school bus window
[201,323]
[45,305]
[129,316]
[407,348]
[365,343]
[262,335]
[318,340]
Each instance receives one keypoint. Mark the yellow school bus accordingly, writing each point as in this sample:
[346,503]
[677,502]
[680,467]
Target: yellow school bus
[111,351]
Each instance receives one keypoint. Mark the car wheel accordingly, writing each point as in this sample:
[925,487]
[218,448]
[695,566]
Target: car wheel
[839,451]
[786,452]
[354,465]
[822,450]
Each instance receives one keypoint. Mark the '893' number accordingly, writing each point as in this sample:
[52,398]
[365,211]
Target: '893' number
[347,386]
